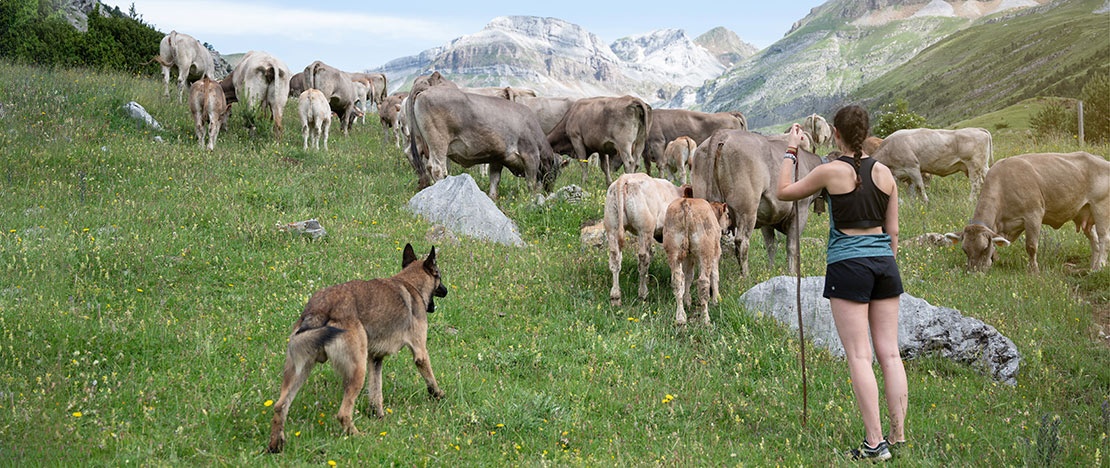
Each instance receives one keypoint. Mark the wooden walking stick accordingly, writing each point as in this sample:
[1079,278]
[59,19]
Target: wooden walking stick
[798,294]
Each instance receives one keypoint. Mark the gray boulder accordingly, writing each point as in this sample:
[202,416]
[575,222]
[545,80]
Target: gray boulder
[922,328]
[459,205]
[137,112]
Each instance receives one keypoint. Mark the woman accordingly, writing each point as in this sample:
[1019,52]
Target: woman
[861,279]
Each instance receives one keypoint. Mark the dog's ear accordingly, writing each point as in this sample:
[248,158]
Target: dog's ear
[408,256]
[430,262]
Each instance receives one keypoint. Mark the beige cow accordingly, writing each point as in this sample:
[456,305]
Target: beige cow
[635,203]
[677,157]
[315,114]
[910,153]
[208,106]
[692,231]
[192,60]
[818,130]
[1023,192]
[261,81]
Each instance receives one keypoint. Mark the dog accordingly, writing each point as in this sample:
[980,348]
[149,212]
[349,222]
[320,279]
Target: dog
[357,323]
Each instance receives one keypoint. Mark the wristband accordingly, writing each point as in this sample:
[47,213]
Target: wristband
[791,157]
[792,150]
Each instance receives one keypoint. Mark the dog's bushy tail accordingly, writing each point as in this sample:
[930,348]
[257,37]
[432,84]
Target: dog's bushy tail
[307,343]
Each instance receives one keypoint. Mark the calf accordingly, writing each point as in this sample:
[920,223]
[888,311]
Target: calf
[676,158]
[1023,192]
[636,203]
[315,117]
[692,237]
[208,106]
[389,112]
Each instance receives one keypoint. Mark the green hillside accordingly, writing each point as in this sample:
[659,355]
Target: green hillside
[1051,51]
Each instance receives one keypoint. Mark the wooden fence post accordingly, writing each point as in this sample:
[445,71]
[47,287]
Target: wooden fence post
[1081,140]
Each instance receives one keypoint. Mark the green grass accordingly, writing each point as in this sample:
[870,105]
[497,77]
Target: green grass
[147,298]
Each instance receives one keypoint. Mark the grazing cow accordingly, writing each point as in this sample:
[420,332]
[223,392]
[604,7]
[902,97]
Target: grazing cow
[417,147]
[741,169]
[636,203]
[871,144]
[389,112]
[549,110]
[474,129]
[1023,192]
[315,117]
[262,81]
[208,106]
[337,87]
[296,84]
[818,131]
[677,157]
[192,60]
[669,124]
[912,152]
[362,98]
[606,126]
[692,237]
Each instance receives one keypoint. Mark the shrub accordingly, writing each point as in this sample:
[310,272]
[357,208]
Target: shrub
[894,117]
[1096,109]
[1055,120]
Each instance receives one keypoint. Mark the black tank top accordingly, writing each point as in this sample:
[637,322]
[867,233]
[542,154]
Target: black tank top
[864,207]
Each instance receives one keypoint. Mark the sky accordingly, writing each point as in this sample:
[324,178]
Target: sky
[356,35]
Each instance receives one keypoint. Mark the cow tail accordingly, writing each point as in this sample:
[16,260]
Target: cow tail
[619,206]
[414,152]
[642,135]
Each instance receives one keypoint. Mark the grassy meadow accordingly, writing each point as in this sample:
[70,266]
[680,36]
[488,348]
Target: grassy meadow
[146,298]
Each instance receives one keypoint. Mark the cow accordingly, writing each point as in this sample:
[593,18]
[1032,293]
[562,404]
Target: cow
[362,100]
[389,112]
[635,203]
[549,110]
[315,114]
[192,60]
[503,92]
[417,148]
[473,129]
[377,84]
[871,144]
[262,81]
[910,153]
[692,237]
[606,126]
[741,169]
[208,106]
[817,130]
[296,84]
[337,87]
[677,158]
[1023,192]
[669,124]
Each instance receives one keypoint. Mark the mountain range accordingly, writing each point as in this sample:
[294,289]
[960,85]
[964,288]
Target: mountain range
[829,57]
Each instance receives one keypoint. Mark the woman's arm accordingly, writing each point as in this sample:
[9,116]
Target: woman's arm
[890,225]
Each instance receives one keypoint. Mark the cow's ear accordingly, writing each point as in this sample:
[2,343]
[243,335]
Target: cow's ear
[953,238]
[1000,241]
[408,256]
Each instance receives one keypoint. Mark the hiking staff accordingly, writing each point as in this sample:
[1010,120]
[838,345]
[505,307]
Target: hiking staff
[793,151]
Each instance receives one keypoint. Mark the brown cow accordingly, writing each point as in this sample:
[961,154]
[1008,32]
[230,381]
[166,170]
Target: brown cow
[692,237]
[389,112]
[635,203]
[1023,192]
[549,110]
[192,60]
[910,153]
[337,87]
[741,169]
[677,157]
[669,124]
[473,129]
[208,106]
[296,84]
[417,148]
[261,80]
[606,126]
[315,114]
[378,84]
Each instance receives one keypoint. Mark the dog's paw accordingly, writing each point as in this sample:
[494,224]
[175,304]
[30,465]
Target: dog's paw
[436,393]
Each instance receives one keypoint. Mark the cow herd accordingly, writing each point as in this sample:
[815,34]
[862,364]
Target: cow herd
[727,169]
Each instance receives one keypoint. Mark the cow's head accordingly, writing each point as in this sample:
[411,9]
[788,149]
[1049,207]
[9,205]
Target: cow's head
[721,212]
[980,244]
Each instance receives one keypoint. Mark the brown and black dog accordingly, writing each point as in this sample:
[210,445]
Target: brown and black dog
[359,322]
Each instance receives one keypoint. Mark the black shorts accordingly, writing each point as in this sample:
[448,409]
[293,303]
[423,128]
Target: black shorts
[863,279]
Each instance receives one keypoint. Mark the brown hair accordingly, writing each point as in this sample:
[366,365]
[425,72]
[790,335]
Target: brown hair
[852,123]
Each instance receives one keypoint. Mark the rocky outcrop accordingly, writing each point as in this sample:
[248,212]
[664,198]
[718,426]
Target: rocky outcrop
[923,328]
[457,204]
